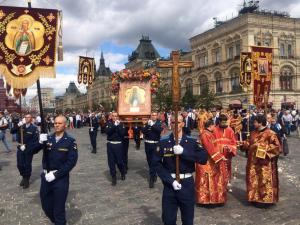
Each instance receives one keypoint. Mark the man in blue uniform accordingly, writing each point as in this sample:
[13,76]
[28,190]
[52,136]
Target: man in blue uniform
[94,124]
[151,130]
[28,140]
[178,194]
[59,157]
[115,131]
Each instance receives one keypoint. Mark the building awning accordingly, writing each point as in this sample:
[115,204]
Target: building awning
[235,102]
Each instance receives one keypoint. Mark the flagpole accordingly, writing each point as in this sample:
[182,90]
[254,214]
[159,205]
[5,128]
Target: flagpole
[38,85]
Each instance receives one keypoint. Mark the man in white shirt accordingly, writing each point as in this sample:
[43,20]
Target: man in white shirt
[3,127]
[78,120]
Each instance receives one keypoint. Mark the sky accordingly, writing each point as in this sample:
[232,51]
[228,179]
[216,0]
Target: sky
[116,26]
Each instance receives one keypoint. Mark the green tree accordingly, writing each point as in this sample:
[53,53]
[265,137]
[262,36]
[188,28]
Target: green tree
[207,99]
[189,100]
[162,99]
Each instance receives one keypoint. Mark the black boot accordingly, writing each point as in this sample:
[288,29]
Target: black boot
[26,183]
[123,177]
[94,151]
[151,182]
[113,181]
[22,182]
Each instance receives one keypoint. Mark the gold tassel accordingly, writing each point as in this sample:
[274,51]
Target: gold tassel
[60,50]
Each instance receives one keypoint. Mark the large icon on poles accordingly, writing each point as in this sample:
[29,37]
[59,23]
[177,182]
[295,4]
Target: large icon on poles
[28,43]
[134,90]
[135,98]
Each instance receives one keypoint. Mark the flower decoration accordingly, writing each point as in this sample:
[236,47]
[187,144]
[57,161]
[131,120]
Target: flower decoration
[139,75]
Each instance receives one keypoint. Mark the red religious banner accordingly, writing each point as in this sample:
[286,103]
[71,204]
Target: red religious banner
[28,39]
[86,72]
[246,69]
[262,74]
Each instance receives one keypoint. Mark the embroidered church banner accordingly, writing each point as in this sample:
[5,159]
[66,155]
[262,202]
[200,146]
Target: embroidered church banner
[86,73]
[28,39]
[246,69]
[262,73]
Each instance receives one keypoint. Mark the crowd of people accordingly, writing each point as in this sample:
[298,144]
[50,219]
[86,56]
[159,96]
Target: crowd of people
[208,140]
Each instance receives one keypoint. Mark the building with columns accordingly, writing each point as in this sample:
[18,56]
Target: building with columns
[216,54]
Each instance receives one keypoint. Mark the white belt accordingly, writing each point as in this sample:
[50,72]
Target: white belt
[45,171]
[151,142]
[115,142]
[182,176]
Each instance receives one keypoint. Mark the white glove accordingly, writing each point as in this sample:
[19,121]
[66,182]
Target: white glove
[43,137]
[150,123]
[50,176]
[117,122]
[92,129]
[178,149]
[176,185]
[22,147]
[20,124]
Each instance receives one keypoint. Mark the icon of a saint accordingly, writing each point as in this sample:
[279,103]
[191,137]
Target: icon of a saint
[24,39]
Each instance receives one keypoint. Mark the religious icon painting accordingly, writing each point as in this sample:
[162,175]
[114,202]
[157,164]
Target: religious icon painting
[28,39]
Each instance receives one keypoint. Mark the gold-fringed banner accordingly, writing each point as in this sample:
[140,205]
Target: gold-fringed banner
[28,39]
[262,73]
[86,71]
[246,69]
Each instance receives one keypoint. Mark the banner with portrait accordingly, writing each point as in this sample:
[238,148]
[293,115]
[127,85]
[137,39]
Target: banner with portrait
[245,69]
[86,71]
[262,74]
[28,39]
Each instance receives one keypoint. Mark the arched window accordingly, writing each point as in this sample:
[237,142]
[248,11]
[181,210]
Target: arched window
[189,85]
[282,50]
[286,78]
[234,79]
[219,85]
[203,81]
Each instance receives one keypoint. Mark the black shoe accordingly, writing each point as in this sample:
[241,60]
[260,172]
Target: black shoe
[26,183]
[22,182]
[113,181]
[151,182]
[94,151]
[123,177]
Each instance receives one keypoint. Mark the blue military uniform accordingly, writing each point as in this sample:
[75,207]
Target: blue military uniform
[136,136]
[125,148]
[152,137]
[93,130]
[165,165]
[24,158]
[61,156]
[115,155]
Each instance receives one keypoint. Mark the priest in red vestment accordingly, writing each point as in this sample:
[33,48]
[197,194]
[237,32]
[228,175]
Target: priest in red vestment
[210,186]
[226,144]
[261,171]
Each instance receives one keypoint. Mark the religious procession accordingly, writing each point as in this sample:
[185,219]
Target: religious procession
[206,135]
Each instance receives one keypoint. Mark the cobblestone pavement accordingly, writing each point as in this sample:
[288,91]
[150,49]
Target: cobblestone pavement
[92,200]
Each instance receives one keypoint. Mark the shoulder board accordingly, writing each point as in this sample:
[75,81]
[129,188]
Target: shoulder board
[71,137]
[164,138]
[191,138]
